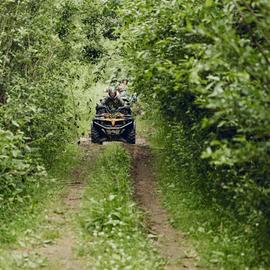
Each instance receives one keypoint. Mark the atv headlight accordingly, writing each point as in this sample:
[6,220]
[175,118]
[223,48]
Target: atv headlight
[104,123]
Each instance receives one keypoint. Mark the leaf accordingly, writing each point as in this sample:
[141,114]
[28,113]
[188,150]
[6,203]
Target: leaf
[209,3]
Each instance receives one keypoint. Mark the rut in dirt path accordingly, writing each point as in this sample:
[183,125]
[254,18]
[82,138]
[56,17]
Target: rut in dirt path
[61,255]
[170,243]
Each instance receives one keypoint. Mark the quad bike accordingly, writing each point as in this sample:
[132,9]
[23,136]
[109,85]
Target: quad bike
[117,125]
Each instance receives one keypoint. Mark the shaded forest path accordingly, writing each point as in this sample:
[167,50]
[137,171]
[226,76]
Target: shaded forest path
[170,243]
[59,254]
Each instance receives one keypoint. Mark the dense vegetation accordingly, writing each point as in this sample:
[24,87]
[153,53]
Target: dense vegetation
[203,66]
[46,50]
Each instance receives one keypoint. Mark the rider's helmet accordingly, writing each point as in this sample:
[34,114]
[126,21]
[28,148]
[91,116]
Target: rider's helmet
[112,92]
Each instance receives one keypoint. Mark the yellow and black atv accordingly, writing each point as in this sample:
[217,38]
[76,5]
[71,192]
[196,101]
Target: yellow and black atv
[117,125]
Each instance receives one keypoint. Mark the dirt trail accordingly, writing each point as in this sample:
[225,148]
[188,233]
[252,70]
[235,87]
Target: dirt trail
[170,243]
[61,254]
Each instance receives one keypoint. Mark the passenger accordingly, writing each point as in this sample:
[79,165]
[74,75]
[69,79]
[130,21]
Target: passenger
[122,91]
[122,87]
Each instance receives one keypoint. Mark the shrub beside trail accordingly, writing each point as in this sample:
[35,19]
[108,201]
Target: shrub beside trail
[44,73]
[203,69]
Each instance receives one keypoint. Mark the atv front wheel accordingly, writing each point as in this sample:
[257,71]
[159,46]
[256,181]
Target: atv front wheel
[131,137]
[95,137]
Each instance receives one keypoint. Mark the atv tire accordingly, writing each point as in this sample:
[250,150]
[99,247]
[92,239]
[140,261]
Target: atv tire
[95,137]
[131,136]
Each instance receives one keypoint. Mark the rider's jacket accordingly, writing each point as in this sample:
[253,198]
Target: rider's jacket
[112,103]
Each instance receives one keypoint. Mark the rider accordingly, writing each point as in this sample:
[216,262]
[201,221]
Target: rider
[112,101]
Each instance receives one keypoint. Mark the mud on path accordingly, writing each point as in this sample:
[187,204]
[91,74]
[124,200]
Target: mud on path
[170,243]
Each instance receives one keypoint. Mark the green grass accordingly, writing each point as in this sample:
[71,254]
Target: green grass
[216,236]
[113,233]
[52,217]
[220,240]
[28,224]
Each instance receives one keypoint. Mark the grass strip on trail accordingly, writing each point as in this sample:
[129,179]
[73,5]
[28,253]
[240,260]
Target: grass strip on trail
[112,228]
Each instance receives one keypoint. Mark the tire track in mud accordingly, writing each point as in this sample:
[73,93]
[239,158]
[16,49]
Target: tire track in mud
[60,254]
[170,243]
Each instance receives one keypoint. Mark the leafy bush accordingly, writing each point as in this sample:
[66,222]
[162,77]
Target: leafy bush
[204,66]
[18,169]
[40,69]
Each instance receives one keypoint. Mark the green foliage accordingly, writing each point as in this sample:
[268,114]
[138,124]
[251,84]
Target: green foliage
[197,206]
[99,20]
[18,169]
[41,71]
[22,209]
[204,66]
[111,223]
